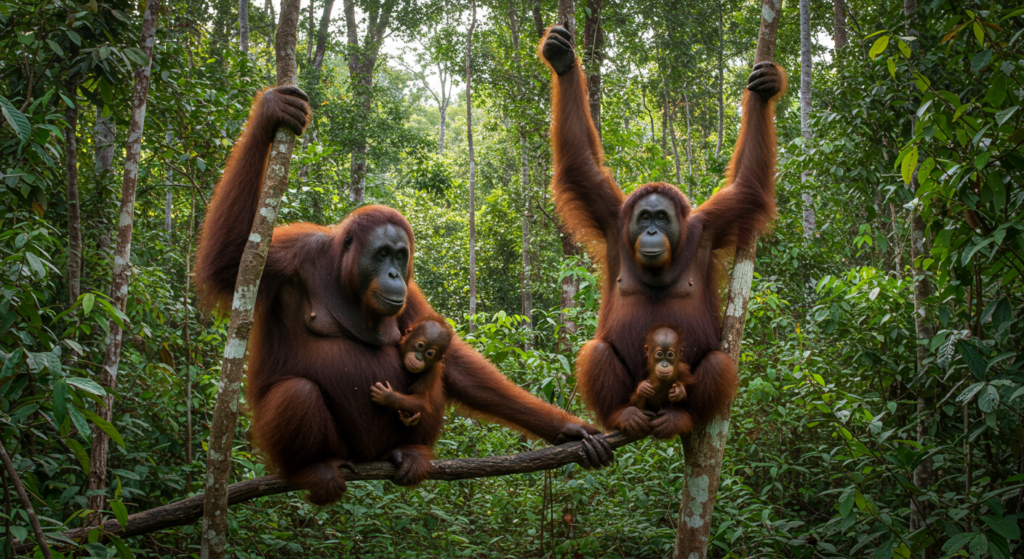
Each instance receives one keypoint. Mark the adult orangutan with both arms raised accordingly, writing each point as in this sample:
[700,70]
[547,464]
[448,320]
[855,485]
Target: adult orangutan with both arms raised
[659,260]
[332,305]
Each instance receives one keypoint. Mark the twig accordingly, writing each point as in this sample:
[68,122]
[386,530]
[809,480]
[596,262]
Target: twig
[190,510]
[25,502]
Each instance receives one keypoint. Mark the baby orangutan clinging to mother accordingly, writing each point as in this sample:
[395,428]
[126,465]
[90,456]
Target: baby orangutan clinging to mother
[667,376]
[422,350]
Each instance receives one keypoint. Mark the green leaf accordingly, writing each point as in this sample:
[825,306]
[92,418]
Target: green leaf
[1005,526]
[120,512]
[104,426]
[87,385]
[12,361]
[75,37]
[988,399]
[35,265]
[79,421]
[981,60]
[979,545]
[17,119]
[879,46]
[997,93]
[904,48]
[970,392]
[973,359]
[80,453]
[1003,116]
[136,55]
[56,48]
[88,300]
[846,501]
[979,33]
[891,64]
[60,402]
[957,542]
[909,165]
[874,293]
[123,551]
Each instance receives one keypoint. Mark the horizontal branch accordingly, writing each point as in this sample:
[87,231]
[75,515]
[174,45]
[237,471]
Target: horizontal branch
[190,510]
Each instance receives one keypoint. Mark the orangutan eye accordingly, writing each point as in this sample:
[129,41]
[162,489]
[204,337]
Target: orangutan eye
[430,353]
[670,355]
[659,354]
[662,216]
[419,345]
[383,253]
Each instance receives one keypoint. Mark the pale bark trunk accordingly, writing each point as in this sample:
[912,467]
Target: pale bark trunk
[472,171]
[704,448]
[538,20]
[570,287]
[806,68]
[441,134]
[321,37]
[122,261]
[839,24]
[310,33]
[243,26]
[103,139]
[74,208]
[168,211]
[269,7]
[187,296]
[721,83]
[675,144]
[689,143]
[225,411]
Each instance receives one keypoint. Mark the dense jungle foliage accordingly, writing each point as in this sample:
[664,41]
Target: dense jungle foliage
[881,366]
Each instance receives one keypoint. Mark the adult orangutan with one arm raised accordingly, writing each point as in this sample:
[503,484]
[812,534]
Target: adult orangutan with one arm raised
[331,308]
[659,259]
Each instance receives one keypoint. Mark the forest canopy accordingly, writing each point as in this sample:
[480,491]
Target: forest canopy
[879,411]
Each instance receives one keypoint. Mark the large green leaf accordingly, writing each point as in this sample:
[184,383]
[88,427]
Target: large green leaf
[104,426]
[18,121]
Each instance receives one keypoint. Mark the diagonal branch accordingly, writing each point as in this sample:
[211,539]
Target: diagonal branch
[190,510]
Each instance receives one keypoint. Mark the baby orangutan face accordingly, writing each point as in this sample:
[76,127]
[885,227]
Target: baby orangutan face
[424,346]
[663,354]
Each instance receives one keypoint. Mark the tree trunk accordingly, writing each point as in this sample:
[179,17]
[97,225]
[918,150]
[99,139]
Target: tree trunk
[567,18]
[664,118]
[689,142]
[570,287]
[168,211]
[19,488]
[472,170]
[839,24]
[243,26]
[310,33]
[321,38]
[721,83]
[74,208]
[269,7]
[538,20]
[103,140]
[443,106]
[704,448]
[593,57]
[122,262]
[225,411]
[672,134]
[806,68]
[524,178]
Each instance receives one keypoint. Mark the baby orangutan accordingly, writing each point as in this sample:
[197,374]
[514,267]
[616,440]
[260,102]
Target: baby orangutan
[667,375]
[421,349]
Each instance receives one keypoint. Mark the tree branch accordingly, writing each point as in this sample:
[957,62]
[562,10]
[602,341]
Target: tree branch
[190,510]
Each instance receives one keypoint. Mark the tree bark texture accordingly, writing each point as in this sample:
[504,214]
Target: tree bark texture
[593,57]
[189,510]
[806,69]
[321,37]
[122,261]
[243,26]
[669,115]
[704,448]
[839,24]
[524,178]
[721,83]
[25,502]
[103,158]
[567,17]
[361,62]
[472,169]
[74,207]
[689,140]
[538,20]
[254,257]
[570,287]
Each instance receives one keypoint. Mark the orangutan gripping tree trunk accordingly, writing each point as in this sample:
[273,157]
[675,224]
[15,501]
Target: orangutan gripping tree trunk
[658,258]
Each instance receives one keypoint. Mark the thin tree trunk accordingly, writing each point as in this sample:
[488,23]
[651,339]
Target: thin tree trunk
[806,68]
[321,37]
[524,177]
[538,20]
[704,448]
[103,140]
[919,249]
[310,33]
[839,24]
[570,287]
[472,170]
[97,481]
[74,208]
[567,17]
[675,144]
[25,502]
[168,211]
[187,296]
[225,411]
[269,7]
[721,83]
[689,142]
[243,26]
[664,118]
[593,57]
